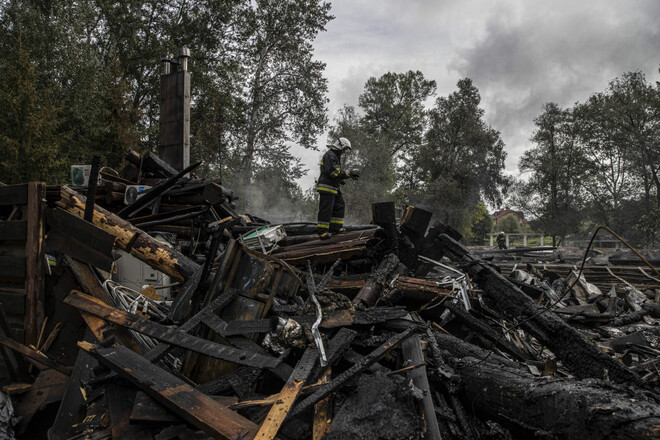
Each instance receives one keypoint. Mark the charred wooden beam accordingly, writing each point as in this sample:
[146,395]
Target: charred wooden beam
[368,295]
[323,253]
[131,239]
[34,257]
[517,399]
[36,357]
[384,215]
[412,351]
[578,354]
[193,406]
[414,223]
[167,334]
[79,239]
[217,304]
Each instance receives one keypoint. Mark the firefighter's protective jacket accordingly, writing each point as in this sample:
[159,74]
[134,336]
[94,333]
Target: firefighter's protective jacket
[331,172]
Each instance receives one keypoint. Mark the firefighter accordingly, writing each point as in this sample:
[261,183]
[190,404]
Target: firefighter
[501,240]
[331,203]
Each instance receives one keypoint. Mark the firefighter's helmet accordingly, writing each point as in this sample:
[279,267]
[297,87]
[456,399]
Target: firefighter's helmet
[340,144]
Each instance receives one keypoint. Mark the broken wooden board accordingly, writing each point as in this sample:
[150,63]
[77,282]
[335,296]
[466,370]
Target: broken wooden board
[36,357]
[79,239]
[166,334]
[145,409]
[280,409]
[193,406]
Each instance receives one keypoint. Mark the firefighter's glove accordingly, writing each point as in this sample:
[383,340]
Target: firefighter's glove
[354,174]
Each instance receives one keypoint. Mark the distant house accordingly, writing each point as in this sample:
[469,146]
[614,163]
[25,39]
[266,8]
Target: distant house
[506,212]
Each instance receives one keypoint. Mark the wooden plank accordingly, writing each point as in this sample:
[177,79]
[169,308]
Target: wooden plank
[322,412]
[280,409]
[34,356]
[15,230]
[13,267]
[412,351]
[146,409]
[80,239]
[34,257]
[193,406]
[14,194]
[167,334]
[217,304]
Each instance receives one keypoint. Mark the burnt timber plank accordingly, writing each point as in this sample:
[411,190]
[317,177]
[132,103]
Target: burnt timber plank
[171,336]
[34,356]
[369,293]
[217,304]
[322,412]
[193,406]
[412,350]
[14,194]
[146,409]
[287,397]
[246,327]
[13,230]
[34,256]
[80,239]
[347,375]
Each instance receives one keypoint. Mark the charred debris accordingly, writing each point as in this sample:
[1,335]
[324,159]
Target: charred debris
[145,306]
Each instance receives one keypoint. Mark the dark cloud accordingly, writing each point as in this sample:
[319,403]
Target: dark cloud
[560,53]
[520,54]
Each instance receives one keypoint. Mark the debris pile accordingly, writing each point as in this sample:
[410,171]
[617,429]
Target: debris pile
[237,328]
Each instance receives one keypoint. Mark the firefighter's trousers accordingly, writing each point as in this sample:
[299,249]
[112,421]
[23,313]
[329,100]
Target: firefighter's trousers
[331,212]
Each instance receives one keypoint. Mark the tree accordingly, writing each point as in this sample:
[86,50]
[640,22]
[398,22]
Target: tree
[556,166]
[31,132]
[368,155]
[283,88]
[462,159]
[395,116]
[509,224]
[481,224]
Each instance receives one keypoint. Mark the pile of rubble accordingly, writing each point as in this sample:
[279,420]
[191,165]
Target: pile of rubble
[388,331]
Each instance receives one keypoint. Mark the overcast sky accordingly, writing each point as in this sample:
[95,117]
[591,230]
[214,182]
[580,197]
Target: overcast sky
[519,54]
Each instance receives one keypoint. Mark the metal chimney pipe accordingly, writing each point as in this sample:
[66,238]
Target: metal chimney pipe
[184,54]
[166,59]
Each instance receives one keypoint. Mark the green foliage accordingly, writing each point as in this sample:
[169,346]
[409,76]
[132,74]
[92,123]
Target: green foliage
[480,225]
[509,224]
[30,126]
[462,161]
[596,163]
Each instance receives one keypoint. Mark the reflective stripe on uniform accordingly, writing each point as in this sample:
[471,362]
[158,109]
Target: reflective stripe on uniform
[336,173]
[327,188]
[323,225]
[337,221]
